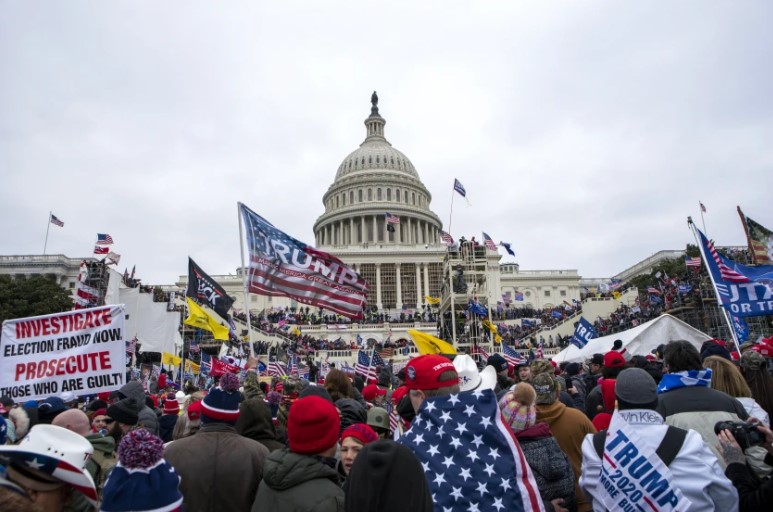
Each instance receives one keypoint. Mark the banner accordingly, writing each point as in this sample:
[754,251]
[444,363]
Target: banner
[583,333]
[743,291]
[632,476]
[200,319]
[81,352]
[283,266]
[205,290]
[221,368]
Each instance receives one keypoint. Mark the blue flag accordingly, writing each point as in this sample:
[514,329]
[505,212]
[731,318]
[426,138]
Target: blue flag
[262,368]
[556,314]
[685,288]
[527,323]
[477,309]
[507,248]
[741,328]
[470,457]
[459,188]
[743,291]
[583,333]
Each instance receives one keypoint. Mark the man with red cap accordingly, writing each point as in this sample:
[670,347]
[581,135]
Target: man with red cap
[614,363]
[304,476]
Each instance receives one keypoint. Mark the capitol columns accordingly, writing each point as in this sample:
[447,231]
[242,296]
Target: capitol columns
[398,277]
[378,280]
[418,285]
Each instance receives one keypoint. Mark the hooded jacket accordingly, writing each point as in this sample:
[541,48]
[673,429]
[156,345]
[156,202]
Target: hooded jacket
[551,468]
[166,424]
[219,469]
[351,412]
[147,418]
[255,423]
[298,483]
[695,470]
[569,427]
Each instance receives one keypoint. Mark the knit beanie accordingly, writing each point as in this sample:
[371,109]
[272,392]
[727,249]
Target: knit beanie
[222,403]
[124,411]
[361,432]
[519,409]
[312,425]
[142,481]
[170,405]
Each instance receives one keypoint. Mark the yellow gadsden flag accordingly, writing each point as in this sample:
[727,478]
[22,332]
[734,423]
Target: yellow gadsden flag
[191,367]
[170,359]
[432,301]
[427,344]
[493,329]
[201,319]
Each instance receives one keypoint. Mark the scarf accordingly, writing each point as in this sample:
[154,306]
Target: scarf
[689,378]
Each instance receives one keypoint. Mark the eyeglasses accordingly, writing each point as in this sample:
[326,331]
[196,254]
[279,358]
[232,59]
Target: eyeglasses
[108,420]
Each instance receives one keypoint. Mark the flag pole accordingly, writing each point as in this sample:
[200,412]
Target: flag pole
[703,221]
[451,289]
[714,284]
[48,227]
[244,279]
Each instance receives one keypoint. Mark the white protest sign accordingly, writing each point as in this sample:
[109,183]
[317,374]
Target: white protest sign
[633,478]
[80,352]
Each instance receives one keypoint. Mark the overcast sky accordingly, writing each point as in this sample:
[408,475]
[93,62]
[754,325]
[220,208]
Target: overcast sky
[584,132]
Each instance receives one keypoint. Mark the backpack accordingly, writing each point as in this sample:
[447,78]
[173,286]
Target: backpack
[667,451]
[100,465]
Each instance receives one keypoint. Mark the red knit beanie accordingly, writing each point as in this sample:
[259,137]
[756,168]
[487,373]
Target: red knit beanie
[361,432]
[313,425]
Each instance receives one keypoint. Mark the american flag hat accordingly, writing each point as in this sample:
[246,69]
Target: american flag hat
[51,454]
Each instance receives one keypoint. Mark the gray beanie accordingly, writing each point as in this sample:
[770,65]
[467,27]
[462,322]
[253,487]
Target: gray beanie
[636,389]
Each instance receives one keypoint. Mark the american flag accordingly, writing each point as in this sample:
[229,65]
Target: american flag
[703,208]
[654,290]
[104,239]
[386,353]
[728,274]
[377,360]
[56,222]
[293,366]
[477,349]
[131,345]
[489,243]
[459,188]
[539,354]
[348,370]
[394,418]
[512,357]
[446,238]
[363,366]
[101,250]
[470,458]
[283,266]
[391,219]
[277,369]
[692,262]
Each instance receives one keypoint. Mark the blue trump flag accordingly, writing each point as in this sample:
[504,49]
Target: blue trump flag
[471,459]
[741,328]
[583,333]
[743,291]
[477,309]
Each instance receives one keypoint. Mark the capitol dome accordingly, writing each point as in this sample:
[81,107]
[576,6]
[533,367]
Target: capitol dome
[376,197]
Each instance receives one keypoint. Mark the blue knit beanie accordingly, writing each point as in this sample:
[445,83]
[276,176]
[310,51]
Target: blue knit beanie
[222,403]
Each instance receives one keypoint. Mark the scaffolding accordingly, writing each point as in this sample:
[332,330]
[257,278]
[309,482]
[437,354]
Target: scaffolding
[96,277]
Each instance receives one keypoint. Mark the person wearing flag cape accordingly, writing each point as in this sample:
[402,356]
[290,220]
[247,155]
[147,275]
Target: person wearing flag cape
[641,463]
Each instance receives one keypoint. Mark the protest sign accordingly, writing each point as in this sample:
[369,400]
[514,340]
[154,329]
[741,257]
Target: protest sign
[80,352]
[633,478]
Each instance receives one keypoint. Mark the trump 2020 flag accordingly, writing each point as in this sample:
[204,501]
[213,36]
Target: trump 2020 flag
[280,265]
[470,457]
[583,333]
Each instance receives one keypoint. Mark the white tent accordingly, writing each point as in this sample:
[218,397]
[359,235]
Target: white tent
[640,340]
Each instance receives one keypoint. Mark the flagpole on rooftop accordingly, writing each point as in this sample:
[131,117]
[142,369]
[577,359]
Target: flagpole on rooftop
[714,284]
[244,279]
[48,227]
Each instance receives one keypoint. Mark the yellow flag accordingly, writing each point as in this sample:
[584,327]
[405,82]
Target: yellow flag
[201,319]
[429,344]
[616,294]
[432,301]
[191,367]
[488,325]
[170,359]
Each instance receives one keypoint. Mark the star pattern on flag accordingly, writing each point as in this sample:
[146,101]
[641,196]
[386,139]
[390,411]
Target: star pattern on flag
[478,465]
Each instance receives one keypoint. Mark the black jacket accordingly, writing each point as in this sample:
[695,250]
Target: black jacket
[752,493]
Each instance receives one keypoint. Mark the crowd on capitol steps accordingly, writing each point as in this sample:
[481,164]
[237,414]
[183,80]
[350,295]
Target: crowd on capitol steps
[684,428]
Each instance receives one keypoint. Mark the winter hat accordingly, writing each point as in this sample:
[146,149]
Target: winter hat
[222,402]
[312,426]
[572,369]
[545,385]
[361,432]
[714,349]
[352,412]
[424,372]
[124,411]
[171,406]
[636,389]
[752,361]
[497,361]
[100,412]
[601,421]
[97,404]
[542,366]
[597,359]
[50,408]
[142,481]
[519,409]
[613,359]
[371,391]
[319,391]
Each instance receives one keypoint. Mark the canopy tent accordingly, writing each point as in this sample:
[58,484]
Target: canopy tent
[640,340]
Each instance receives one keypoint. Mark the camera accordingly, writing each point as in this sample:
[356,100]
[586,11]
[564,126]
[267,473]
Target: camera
[745,434]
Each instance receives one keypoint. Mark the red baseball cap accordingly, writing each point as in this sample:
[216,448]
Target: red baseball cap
[424,372]
[398,394]
[614,359]
[194,410]
[371,391]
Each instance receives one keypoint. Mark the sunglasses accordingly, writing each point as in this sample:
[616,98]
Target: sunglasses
[108,420]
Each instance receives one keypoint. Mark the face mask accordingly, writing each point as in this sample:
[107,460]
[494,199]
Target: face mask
[405,409]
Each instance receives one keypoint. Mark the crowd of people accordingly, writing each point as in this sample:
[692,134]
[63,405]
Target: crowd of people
[440,434]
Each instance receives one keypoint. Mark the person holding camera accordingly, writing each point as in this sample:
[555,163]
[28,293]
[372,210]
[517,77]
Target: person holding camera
[734,439]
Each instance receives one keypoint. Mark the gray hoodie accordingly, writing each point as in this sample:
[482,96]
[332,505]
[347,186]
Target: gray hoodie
[148,418]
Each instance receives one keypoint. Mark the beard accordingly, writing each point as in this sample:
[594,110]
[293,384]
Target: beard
[115,432]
